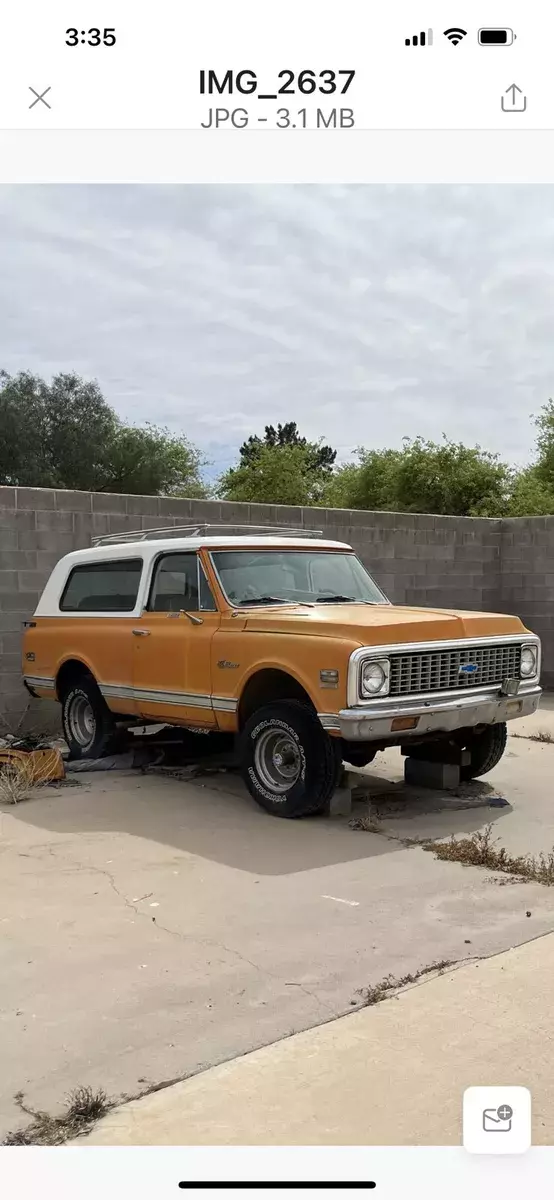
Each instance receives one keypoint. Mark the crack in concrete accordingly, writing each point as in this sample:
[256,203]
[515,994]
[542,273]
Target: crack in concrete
[181,936]
[330,1014]
[422,981]
[187,937]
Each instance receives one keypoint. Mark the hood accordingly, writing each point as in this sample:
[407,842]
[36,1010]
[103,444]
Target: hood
[381,624]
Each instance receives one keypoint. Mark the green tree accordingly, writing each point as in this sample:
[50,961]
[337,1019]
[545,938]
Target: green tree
[280,468]
[150,461]
[275,475]
[320,458]
[531,496]
[64,434]
[544,468]
[533,487]
[53,435]
[339,488]
[426,476]
[374,483]
[452,478]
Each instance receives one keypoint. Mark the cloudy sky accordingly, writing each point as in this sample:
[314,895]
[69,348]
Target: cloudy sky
[364,313]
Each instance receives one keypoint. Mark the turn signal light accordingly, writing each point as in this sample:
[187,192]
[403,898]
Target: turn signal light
[404,723]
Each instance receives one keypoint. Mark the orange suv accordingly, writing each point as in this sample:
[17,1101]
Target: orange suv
[281,638]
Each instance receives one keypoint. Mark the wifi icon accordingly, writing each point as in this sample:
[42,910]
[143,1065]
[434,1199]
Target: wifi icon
[455,35]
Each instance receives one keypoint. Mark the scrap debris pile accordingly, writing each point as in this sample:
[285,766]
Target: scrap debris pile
[30,761]
[26,763]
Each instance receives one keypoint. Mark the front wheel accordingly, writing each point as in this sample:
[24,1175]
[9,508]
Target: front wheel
[289,763]
[486,750]
[88,724]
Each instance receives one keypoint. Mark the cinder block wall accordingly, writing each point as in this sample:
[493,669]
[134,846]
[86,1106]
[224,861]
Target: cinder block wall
[527,580]
[421,560]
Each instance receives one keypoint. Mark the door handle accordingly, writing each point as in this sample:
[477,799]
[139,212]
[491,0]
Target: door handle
[141,632]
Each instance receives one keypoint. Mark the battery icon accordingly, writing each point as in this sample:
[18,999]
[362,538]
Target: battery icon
[496,37]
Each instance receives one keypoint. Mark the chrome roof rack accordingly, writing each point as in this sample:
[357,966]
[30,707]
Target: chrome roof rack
[143,535]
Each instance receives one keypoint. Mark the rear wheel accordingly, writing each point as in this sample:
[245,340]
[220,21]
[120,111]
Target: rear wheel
[484,746]
[88,725]
[289,763]
[486,750]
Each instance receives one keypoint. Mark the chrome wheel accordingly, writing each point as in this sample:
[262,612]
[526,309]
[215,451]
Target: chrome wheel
[81,721]
[277,760]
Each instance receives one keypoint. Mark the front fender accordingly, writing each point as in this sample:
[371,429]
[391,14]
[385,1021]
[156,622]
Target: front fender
[238,656]
[285,668]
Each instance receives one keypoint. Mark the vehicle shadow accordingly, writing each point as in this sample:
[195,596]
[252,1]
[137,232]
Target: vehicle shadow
[408,813]
[214,817]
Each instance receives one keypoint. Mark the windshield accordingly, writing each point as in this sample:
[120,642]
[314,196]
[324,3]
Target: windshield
[294,576]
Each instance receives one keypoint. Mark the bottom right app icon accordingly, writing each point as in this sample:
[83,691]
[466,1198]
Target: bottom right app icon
[497,1120]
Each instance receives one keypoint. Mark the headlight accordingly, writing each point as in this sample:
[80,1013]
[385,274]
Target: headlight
[375,677]
[528,664]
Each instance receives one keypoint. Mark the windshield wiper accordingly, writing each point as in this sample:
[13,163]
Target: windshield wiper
[336,600]
[266,600]
[343,600]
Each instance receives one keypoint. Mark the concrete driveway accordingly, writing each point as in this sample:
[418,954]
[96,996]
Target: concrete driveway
[152,928]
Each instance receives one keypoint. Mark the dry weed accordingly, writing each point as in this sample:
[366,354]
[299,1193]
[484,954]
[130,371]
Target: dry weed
[482,850]
[84,1106]
[379,991]
[543,735]
[368,824]
[16,780]
[21,774]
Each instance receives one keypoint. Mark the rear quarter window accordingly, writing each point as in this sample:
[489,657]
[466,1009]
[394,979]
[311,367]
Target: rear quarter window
[103,587]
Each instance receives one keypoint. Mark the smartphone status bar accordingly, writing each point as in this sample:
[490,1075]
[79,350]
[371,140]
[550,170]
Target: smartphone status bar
[289,67]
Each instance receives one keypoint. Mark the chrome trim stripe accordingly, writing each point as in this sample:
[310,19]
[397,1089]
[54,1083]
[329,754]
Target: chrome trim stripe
[329,721]
[224,704]
[158,696]
[353,696]
[41,681]
[118,690]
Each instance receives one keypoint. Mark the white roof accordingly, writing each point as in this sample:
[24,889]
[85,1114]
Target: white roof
[48,605]
[153,546]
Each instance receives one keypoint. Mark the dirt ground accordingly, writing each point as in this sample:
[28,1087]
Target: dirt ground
[151,927]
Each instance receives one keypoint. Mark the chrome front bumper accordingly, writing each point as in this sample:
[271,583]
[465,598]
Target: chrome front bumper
[436,714]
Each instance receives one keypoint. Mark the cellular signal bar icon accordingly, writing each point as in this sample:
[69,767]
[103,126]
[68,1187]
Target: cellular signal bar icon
[420,39]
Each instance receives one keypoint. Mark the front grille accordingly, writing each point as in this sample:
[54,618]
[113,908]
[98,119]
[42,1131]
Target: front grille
[440,670]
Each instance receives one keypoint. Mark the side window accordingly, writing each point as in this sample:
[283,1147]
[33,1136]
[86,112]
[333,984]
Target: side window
[175,584]
[103,587]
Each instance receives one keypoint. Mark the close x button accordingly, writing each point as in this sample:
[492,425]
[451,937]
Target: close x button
[39,97]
